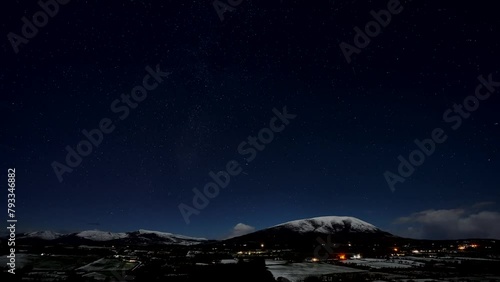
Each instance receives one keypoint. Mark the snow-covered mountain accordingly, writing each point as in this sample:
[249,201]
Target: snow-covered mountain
[97,235]
[296,232]
[148,236]
[329,224]
[309,231]
[141,237]
[44,235]
[169,235]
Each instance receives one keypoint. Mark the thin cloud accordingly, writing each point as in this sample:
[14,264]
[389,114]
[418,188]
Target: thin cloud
[482,205]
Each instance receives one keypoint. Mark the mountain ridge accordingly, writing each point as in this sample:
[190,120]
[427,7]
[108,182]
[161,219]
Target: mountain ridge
[140,236]
[323,223]
[320,224]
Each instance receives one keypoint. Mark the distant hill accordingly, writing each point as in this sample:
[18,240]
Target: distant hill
[97,237]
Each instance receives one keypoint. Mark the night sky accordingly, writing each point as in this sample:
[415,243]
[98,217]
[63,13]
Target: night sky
[221,80]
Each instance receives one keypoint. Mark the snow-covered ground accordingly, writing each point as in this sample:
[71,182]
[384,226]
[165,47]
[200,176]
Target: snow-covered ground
[298,271]
[105,264]
[383,263]
[228,261]
[275,262]
[21,260]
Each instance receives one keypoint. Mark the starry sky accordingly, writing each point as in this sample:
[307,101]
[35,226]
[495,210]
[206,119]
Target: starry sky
[225,77]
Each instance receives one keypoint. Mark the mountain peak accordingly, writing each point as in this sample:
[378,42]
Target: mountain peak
[141,236]
[97,235]
[327,224]
[169,235]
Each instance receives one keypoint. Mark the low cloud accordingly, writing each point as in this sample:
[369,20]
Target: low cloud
[241,229]
[459,223]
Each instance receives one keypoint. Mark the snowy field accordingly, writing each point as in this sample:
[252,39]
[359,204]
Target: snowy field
[275,262]
[21,260]
[298,271]
[104,264]
[49,263]
[382,263]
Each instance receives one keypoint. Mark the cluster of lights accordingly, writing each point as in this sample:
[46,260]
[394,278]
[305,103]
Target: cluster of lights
[249,252]
[340,256]
[463,247]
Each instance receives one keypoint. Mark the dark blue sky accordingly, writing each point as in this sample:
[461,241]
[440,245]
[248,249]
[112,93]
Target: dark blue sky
[353,120]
